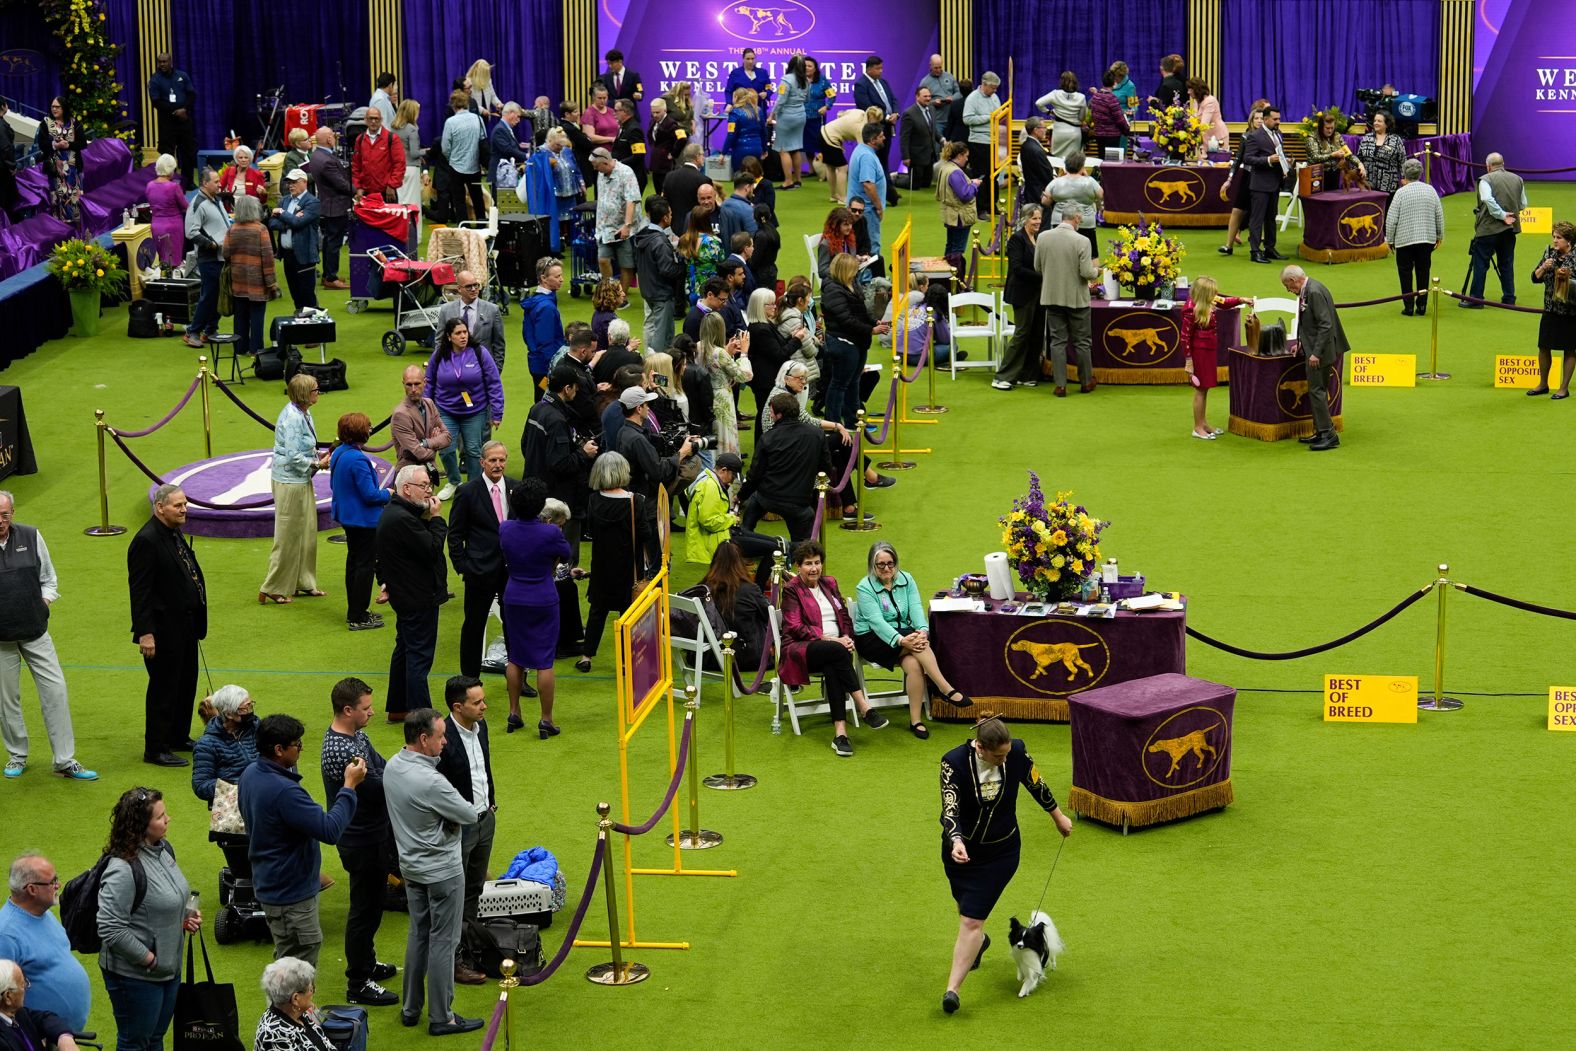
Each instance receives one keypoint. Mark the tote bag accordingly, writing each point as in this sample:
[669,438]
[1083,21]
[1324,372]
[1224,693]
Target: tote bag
[205,1013]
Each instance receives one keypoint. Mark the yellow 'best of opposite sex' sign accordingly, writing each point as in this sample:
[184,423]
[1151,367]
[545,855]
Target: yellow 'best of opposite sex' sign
[1562,708]
[1515,372]
[1537,220]
[1370,698]
[1383,370]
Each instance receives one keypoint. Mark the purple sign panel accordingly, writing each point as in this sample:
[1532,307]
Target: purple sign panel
[1524,71]
[705,43]
[646,647]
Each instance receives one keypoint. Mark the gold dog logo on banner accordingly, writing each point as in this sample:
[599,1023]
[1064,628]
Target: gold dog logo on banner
[1291,390]
[1174,189]
[1186,748]
[1141,337]
[778,21]
[1056,657]
[1361,224]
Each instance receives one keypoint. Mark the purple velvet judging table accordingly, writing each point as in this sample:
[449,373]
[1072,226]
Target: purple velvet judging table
[1169,194]
[1151,750]
[1343,226]
[1025,667]
[1135,343]
[1269,396]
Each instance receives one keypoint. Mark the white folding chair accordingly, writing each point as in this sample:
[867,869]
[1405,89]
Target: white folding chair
[1005,329]
[695,648]
[1291,203]
[803,702]
[989,330]
[1281,305]
[812,242]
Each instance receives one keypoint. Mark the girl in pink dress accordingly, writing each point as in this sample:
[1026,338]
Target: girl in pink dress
[167,201]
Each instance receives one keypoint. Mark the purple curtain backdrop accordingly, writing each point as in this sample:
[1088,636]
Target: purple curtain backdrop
[523,41]
[1303,55]
[1050,36]
[39,80]
[235,51]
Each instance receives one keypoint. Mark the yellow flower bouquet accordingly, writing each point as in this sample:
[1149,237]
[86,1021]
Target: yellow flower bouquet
[86,266]
[1054,546]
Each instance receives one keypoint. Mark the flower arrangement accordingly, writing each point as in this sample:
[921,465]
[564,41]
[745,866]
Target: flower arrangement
[86,266]
[1144,255]
[1178,132]
[1055,547]
[1310,124]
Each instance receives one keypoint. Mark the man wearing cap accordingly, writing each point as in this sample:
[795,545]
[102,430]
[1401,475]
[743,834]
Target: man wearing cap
[710,515]
[295,219]
[647,470]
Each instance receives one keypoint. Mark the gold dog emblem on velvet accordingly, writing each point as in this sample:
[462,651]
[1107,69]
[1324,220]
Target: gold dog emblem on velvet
[1141,337]
[1174,189]
[1361,224]
[1057,657]
[1186,748]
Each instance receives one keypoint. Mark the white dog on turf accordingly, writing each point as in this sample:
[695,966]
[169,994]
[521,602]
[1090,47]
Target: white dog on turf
[1034,948]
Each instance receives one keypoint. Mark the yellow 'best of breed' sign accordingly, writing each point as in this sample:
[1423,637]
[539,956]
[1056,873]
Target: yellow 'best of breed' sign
[1383,370]
[1370,698]
[1562,708]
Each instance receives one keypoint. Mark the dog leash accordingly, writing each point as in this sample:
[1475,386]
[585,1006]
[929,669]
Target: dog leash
[1047,888]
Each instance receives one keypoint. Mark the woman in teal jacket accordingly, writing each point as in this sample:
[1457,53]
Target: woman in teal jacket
[890,630]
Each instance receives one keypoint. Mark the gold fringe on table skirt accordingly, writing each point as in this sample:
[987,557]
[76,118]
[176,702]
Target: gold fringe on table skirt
[1343,255]
[1220,219]
[1152,811]
[1050,710]
[1275,432]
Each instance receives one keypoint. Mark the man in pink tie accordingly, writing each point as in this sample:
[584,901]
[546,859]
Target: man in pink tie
[474,552]
[621,81]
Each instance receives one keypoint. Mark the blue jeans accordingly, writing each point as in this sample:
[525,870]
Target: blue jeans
[957,239]
[843,361]
[470,432]
[142,1010]
[205,319]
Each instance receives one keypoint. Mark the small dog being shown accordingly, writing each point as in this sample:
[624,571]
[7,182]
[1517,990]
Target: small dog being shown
[1034,948]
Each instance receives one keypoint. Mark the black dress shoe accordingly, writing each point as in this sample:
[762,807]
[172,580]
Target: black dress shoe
[1270,253]
[526,689]
[1309,439]
[1225,249]
[514,723]
[455,1024]
[949,1001]
[409,1021]
[382,972]
[165,759]
[1258,257]
[1324,444]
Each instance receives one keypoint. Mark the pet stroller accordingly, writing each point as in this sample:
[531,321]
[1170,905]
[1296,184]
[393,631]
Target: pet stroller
[417,287]
[240,913]
[584,274]
[374,226]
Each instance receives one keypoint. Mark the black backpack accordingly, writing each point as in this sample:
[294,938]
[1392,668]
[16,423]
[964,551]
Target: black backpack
[79,903]
[140,323]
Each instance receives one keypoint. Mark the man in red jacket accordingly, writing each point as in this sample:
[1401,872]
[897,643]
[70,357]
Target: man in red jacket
[377,167]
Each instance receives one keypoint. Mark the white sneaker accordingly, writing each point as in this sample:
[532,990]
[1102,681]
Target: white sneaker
[446,492]
[1001,385]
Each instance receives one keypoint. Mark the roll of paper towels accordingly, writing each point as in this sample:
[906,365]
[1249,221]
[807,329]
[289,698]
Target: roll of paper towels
[998,574]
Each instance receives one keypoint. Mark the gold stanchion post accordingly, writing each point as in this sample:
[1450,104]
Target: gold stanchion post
[930,408]
[618,972]
[1428,163]
[857,473]
[822,484]
[896,418]
[103,528]
[1436,299]
[694,837]
[506,985]
[1439,702]
[779,571]
[207,409]
[728,781]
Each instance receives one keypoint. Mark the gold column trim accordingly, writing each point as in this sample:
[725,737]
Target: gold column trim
[957,37]
[386,42]
[153,38]
[582,53]
[1203,43]
[1456,27]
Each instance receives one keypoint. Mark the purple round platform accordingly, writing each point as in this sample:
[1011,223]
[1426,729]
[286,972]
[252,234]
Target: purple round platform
[241,478]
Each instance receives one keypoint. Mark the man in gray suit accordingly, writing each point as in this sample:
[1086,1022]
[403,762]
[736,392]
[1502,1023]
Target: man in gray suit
[1063,260]
[480,317]
[1323,342]
[919,142]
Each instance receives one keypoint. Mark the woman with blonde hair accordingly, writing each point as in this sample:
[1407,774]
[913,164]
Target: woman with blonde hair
[408,129]
[1200,344]
[835,134]
[681,106]
[300,150]
[292,562]
[728,362]
[478,81]
[746,129]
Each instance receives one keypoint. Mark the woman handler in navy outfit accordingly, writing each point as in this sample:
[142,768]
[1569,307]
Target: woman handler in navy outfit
[979,832]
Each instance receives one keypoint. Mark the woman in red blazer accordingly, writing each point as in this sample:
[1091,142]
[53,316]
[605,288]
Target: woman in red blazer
[818,639]
[242,177]
[1200,342]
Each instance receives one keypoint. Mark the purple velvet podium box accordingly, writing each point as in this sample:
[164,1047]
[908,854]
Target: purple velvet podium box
[1151,750]
[1127,587]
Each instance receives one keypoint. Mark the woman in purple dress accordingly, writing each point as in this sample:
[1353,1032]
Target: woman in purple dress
[532,549]
[167,201]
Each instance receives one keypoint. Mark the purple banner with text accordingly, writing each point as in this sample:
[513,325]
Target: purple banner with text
[1524,76]
[706,43]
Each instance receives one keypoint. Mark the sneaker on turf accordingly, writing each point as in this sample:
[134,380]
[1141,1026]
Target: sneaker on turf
[16,768]
[1001,385]
[841,746]
[874,719]
[383,971]
[446,493]
[372,994]
[75,771]
[364,625]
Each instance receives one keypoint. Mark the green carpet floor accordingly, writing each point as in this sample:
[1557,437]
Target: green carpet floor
[1371,887]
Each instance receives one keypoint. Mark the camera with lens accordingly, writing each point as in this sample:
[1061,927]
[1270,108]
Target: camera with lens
[702,442]
[1369,95]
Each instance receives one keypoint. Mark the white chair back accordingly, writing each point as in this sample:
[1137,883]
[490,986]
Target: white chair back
[1281,305]
[989,330]
[812,242]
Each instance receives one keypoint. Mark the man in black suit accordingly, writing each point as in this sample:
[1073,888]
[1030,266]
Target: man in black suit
[474,516]
[919,142]
[169,617]
[1322,342]
[466,763]
[335,195]
[621,82]
[629,145]
[682,186]
[1037,173]
[409,546]
[1267,164]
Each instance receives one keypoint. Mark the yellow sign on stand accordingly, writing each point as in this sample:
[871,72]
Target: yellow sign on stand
[1515,371]
[1370,699]
[1537,220]
[1562,708]
[1382,370]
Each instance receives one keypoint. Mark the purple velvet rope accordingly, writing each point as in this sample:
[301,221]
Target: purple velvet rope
[228,393]
[891,410]
[924,356]
[1372,302]
[760,674]
[145,469]
[848,472]
[492,1026]
[185,398]
[597,861]
[1528,171]
[1492,303]
[673,789]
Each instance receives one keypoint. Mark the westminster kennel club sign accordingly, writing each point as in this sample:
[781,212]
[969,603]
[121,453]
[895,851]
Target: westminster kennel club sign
[1524,80]
[702,42]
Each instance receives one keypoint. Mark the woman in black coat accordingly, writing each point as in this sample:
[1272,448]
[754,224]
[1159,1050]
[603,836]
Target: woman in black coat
[1021,363]
[768,349]
[979,832]
[619,525]
[849,328]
